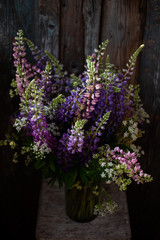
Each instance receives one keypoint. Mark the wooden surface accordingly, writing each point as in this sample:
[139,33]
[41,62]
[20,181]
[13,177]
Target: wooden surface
[123,24]
[145,198]
[53,224]
[49,23]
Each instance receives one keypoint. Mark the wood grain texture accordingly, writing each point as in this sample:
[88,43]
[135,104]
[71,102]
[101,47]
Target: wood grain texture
[49,19]
[15,15]
[92,20]
[54,224]
[72,35]
[145,198]
[19,187]
[123,24]
[4,29]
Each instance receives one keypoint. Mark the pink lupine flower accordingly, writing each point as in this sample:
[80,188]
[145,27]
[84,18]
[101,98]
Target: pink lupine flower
[90,87]
[87,94]
[98,86]
[134,160]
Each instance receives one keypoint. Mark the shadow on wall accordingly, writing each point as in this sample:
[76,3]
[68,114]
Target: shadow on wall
[19,185]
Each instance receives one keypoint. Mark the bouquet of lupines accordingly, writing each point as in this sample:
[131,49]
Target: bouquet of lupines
[78,128]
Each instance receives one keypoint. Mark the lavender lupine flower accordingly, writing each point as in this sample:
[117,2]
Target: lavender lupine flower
[72,142]
[69,108]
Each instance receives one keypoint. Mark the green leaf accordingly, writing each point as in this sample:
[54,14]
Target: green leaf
[39,163]
[46,171]
[52,181]
[51,164]
[83,175]
[70,178]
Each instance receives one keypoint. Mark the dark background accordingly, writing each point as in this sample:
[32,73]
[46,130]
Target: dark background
[70,30]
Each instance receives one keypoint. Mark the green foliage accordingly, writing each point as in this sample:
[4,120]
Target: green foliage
[56,102]
[102,47]
[75,81]
[79,124]
[47,72]
[13,91]
[39,163]
[30,45]
[70,178]
[109,73]
[57,66]
[132,61]
[103,120]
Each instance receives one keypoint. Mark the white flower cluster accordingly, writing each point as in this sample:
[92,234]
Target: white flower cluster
[137,149]
[52,128]
[49,112]
[105,208]
[20,123]
[108,172]
[143,116]
[40,150]
[132,130]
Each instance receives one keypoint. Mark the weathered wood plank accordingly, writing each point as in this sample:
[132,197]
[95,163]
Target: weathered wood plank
[72,35]
[54,224]
[146,198]
[4,30]
[123,24]
[15,15]
[92,19]
[150,89]
[49,19]
[19,186]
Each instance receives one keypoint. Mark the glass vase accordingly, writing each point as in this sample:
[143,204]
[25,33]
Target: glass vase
[80,202]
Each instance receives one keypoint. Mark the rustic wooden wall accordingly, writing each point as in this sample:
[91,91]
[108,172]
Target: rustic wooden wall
[71,29]
[146,211]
